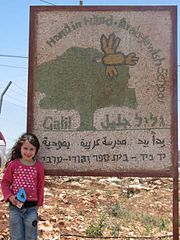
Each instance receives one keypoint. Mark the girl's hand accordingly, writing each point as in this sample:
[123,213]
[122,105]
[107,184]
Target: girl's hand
[13,200]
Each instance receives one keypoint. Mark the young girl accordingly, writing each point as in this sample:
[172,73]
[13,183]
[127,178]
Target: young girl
[25,175]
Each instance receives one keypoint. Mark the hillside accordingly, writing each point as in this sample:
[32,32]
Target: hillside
[91,207]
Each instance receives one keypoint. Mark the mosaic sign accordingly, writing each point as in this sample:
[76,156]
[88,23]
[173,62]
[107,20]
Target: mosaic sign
[101,89]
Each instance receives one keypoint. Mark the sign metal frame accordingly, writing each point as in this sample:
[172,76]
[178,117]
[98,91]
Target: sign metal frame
[173,172]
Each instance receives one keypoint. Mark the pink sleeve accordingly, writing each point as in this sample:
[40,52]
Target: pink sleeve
[7,182]
[40,185]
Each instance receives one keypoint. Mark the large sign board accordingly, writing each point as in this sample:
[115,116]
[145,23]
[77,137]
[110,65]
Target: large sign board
[102,89]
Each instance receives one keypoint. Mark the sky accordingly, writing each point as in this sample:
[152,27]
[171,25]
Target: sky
[14,48]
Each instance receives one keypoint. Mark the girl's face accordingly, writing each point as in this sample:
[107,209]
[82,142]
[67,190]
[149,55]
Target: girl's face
[28,151]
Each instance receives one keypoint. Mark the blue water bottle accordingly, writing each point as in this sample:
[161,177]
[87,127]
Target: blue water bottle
[21,197]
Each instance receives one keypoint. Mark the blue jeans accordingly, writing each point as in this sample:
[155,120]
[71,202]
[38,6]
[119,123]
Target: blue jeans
[23,223]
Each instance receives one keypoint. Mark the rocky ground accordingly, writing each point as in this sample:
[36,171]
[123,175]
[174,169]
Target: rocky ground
[102,208]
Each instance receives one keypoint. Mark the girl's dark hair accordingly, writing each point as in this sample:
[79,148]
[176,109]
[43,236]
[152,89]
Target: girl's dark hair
[16,149]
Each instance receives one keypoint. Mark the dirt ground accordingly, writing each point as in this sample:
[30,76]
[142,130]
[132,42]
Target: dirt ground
[102,208]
